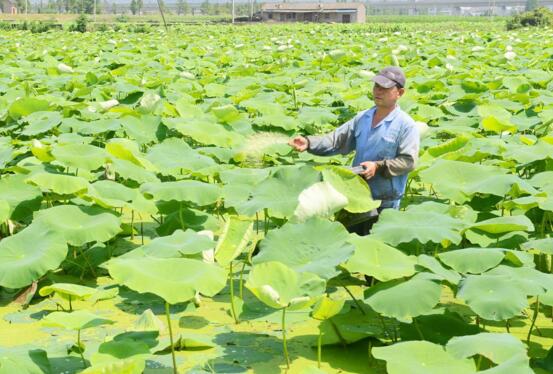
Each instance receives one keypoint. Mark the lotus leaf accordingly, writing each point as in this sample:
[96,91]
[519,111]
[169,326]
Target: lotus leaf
[404,300]
[473,260]
[196,192]
[77,320]
[83,156]
[316,246]
[179,244]
[319,200]
[396,227]
[68,291]
[80,225]
[29,254]
[235,237]
[421,357]
[175,280]
[58,183]
[279,286]
[374,258]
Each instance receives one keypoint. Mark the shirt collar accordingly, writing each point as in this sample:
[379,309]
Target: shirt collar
[390,117]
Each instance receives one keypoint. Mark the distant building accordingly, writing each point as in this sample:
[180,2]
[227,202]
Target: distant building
[314,12]
[8,6]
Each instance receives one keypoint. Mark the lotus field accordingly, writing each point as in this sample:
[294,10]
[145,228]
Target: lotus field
[154,219]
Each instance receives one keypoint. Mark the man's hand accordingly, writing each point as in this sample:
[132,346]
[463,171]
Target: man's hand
[299,143]
[370,169]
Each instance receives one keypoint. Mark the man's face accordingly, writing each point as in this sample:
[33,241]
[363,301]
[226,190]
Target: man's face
[386,97]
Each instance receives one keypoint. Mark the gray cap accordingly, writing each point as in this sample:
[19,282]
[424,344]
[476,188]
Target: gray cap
[389,77]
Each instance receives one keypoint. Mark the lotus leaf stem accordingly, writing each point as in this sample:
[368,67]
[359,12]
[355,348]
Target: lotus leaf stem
[132,224]
[231,286]
[507,326]
[70,305]
[319,348]
[241,285]
[79,347]
[355,300]
[266,220]
[168,315]
[534,317]
[284,345]
[417,327]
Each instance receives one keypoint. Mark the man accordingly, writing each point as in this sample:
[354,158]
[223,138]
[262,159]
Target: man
[386,144]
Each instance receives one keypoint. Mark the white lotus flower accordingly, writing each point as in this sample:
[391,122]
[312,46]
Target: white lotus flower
[448,66]
[450,57]
[402,47]
[281,48]
[111,41]
[508,48]
[510,55]
[477,48]
[106,105]
[62,68]
[382,40]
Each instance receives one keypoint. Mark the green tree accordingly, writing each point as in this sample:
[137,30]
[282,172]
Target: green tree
[180,7]
[134,7]
[140,5]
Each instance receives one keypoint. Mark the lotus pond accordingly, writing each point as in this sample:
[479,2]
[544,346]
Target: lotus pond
[153,218]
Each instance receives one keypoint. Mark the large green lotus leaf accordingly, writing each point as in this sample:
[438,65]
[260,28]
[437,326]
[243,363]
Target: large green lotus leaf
[205,131]
[40,122]
[497,347]
[319,200]
[196,192]
[127,366]
[128,170]
[518,364]
[236,236]
[374,258]
[279,286]
[226,113]
[68,291]
[404,300]
[498,125]
[80,225]
[126,149]
[29,254]
[111,194]
[316,246]
[77,320]
[473,260]
[421,357]
[176,280]
[504,224]
[27,105]
[23,361]
[82,156]
[279,193]
[142,129]
[353,187]
[244,176]
[463,212]
[58,183]
[432,264]
[533,282]
[494,110]
[525,154]
[316,115]
[493,297]
[396,227]
[119,349]
[179,244]
[23,199]
[465,179]
[175,154]
[541,245]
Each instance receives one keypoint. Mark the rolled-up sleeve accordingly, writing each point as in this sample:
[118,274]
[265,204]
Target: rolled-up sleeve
[407,154]
[339,141]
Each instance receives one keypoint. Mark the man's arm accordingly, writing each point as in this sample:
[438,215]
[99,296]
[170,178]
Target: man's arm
[408,154]
[341,140]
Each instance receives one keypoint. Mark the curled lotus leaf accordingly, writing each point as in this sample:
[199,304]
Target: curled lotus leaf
[29,254]
[279,286]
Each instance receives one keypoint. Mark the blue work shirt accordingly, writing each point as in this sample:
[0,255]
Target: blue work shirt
[393,144]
